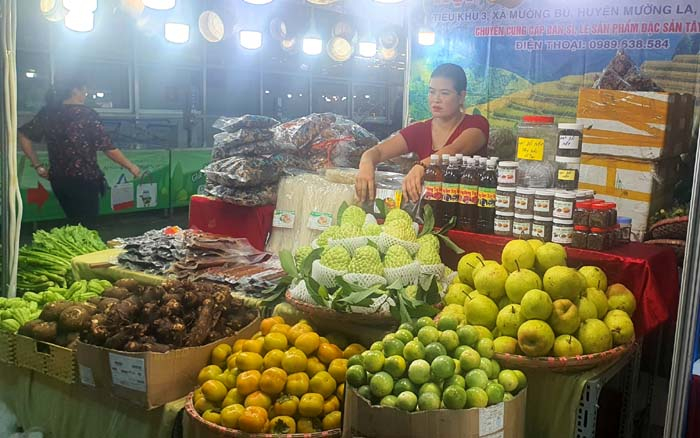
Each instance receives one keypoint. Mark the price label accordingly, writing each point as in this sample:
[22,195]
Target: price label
[530,149]
[491,420]
[320,221]
[566,175]
[129,372]
[283,219]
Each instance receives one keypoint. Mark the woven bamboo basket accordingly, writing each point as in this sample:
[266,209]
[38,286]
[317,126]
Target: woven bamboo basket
[675,228]
[330,315]
[678,247]
[197,427]
[573,364]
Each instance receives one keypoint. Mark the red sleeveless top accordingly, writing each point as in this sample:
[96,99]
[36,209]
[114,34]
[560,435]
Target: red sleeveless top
[419,136]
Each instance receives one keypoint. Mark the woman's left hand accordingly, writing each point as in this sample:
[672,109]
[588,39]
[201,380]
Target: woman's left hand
[413,183]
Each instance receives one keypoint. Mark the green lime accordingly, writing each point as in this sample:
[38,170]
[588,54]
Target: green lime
[430,387]
[428,401]
[428,334]
[442,367]
[419,372]
[424,321]
[393,347]
[476,398]
[496,368]
[509,380]
[485,348]
[373,360]
[413,350]
[459,350]
[377,346]
[355,360]
[508,397]
[468,335]
[476,379]
[407,401]
[355,376]
[388,401]
[404,335]
[469,359]
[407,326]
[402,385]
[381,384]
[395,365]
[456,380]
[454,397]
[522,379]
[495,393]
[434,350]
[449,340]
[485,365]
[448,322]
[365,392]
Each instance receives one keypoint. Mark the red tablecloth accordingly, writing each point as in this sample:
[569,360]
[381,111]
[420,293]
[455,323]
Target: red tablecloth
[219,217]
[649,271]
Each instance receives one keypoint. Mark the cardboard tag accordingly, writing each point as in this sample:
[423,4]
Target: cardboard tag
[491,419]
[129,372]
[566,175]
[530,149]
[320,221]
[391,198]
[86,377]
[147,195]
[283,219]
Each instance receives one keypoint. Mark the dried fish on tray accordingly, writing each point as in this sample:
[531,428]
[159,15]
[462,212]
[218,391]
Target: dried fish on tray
[300,132]
[154,252]
[242,137]
[239,171]
[251,279]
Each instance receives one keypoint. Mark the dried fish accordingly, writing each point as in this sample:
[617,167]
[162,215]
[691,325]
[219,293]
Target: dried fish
[233,124]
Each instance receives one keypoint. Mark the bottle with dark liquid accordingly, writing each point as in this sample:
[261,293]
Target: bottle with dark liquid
[433,187]
[468,197]
[450,191]
[487,199]
[444,163]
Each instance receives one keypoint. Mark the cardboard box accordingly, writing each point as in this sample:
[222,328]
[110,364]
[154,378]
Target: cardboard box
[46,358]
[638,187]
[360,419]
[635,124]
[148,379]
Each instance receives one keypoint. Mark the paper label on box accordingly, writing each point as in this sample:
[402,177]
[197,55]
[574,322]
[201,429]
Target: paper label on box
[129,372]
[491,419]
[320,221]
[86,377]
[283,219]
[566,175]
[530,149]
[568,141]
[392,198]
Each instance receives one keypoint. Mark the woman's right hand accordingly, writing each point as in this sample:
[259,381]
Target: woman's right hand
[42,172]
[364,183]
[134,170]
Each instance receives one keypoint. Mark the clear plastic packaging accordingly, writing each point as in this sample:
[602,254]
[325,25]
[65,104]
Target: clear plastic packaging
[244,196]
[570,139]
[300,132]
[233,124]
[537,145]
[580,239]
[237,172]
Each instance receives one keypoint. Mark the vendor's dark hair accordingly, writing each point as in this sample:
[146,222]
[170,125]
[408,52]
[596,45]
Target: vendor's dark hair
[452,72]
[63,89]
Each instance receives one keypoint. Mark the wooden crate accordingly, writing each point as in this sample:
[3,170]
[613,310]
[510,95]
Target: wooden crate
[7,348]
[46,358]
[635,124]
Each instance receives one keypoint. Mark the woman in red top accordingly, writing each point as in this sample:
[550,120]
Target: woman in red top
[449,131]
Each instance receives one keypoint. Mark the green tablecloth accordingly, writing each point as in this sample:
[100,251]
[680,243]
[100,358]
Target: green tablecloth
[83,270]
[62,410]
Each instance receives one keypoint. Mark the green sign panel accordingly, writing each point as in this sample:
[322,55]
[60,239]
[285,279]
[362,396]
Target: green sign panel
[185,176]
[124,194]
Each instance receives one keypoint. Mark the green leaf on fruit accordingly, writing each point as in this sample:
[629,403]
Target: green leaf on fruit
[381,207]
[344,206]
[428,221]
[287,262]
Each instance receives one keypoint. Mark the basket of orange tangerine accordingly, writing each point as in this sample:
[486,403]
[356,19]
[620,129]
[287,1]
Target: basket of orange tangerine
[285,380]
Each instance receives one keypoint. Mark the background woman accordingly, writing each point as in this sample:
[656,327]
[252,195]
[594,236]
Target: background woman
[449,131]
[73,134]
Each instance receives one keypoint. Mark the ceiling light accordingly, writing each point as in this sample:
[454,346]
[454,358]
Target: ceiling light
[367,49]
[250,39]
[100,94]
[211,26]
[31,74]
[312,45]
[388,2]
[160,5]
[258,2]
[80,5]
[177,33]
[80,21]
[426,36]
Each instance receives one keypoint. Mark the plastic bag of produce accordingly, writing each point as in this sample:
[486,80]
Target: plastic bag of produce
[240,171]
[241,137]
[246,196]
[233,124]
[266,147]
[301,132]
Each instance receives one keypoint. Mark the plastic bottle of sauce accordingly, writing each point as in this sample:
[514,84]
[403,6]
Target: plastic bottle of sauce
[450,190]
[433,187]
[444,163]
[468,198]
[487,199]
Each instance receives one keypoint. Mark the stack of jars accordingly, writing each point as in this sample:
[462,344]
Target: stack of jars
[597,226]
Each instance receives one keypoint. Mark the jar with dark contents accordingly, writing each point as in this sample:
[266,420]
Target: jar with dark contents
[522,226]
[596,239]
[507,173]
[583,195]
[563,231]
[505,198]
[564,205]
[567,173]
[570,139]
[524,200]
[612,214]
[544,202]
[503,224]
[598,217]
[580,239]
[582,213]
[542,228]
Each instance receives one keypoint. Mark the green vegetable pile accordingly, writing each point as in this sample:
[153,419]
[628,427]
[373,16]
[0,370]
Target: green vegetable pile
[15,312]
[46,263]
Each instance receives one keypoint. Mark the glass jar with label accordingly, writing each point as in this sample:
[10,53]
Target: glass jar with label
[524,200]
[598,217]
[612,214]
[582,212]
[522,226]
[567,173]
[570,139]
[564,205]
[536,149]
[580,239]
[505,198]
[507,173]
[544,202]
[542,228]
[625,228]
[596,239]
[584,195]
[503,224]
[563,231]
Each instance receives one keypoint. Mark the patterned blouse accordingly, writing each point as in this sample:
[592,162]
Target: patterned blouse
[73,135]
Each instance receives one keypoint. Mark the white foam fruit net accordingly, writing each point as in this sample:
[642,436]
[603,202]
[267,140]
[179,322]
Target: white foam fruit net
[437,270]
[450,278]
[408,274]
[351,243]
[314,244]
[324,275]
[301,293]
[379,305]
[384,241]
[370,220]
[364,280]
